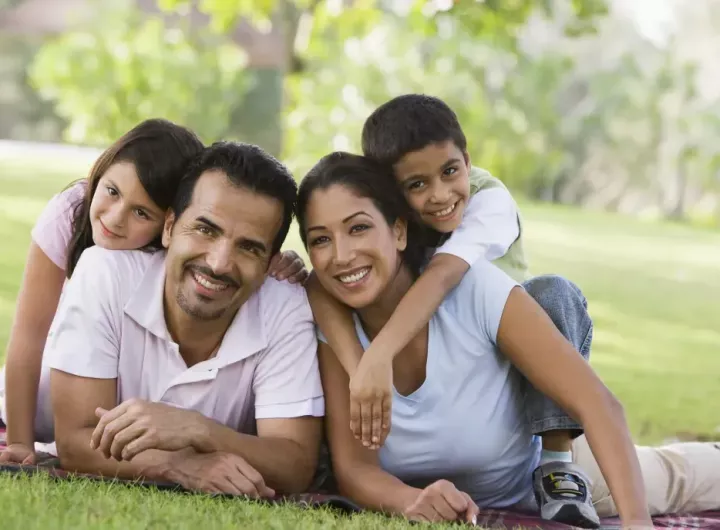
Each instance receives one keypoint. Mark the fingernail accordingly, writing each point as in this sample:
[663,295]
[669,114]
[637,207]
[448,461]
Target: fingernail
[474,520]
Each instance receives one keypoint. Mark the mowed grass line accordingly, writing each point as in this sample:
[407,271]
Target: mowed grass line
[653,291]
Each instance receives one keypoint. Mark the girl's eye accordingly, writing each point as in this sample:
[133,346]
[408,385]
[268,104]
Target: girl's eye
[111,191]
[358,228]
[142,214]
[319,241]
[416,185]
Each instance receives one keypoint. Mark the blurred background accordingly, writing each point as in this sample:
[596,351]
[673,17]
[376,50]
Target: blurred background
[602,116]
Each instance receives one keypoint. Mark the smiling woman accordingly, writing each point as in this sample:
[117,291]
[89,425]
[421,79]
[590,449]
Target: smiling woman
[467,362]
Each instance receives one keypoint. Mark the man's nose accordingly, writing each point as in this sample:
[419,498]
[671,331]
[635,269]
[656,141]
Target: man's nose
[219,258]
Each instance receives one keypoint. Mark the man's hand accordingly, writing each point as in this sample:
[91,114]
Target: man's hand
[217,473]
[136,426]
[18,454]
[371,400]
[288,265]
[442,501]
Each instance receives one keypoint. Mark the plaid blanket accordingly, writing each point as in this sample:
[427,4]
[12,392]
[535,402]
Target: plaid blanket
[497,519]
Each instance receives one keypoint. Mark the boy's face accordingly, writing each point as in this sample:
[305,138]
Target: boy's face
[435,180]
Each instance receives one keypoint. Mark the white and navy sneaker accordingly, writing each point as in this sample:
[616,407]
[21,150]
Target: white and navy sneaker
[562,492]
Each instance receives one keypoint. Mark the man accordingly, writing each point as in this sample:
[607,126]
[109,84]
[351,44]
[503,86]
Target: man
[191,365]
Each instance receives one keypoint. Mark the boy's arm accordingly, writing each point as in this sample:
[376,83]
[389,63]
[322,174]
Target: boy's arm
[336,323]
[371,384]
[488,228]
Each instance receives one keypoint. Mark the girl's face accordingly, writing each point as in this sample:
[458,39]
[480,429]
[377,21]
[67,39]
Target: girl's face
[122,215]
[354,252]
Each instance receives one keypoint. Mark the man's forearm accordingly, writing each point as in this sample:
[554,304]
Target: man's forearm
[76,455]
[284,464]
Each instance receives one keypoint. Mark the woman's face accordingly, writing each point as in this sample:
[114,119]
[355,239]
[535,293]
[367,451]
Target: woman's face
[122,215]
[354,252]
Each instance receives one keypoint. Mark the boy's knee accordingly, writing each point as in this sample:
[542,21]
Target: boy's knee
[550,290]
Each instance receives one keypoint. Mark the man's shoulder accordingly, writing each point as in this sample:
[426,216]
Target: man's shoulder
[282,303]
[124,268]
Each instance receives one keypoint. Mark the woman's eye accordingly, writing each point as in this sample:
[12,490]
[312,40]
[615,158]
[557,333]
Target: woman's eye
[358,228]
[319,241]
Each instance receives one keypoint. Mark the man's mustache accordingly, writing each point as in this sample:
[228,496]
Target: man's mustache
[205,271]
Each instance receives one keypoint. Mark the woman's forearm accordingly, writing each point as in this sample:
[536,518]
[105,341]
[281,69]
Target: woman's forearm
[373,488]
[609,439]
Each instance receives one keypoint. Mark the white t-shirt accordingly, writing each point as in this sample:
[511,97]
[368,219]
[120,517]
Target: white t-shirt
[111,324]
[488,227]
[466,423]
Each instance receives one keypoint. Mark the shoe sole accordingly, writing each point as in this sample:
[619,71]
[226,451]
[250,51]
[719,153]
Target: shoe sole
[572,515]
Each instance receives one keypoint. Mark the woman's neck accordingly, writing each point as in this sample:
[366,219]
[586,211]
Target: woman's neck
[374,316]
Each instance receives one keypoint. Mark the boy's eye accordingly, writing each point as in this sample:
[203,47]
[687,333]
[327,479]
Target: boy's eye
[449,171]
[319,241]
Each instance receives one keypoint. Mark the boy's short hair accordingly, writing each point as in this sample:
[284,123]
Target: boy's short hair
[409,123]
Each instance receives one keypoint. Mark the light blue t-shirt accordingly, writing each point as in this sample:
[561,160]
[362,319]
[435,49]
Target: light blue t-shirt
[466,422]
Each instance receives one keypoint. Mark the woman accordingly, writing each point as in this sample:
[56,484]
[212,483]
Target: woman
[120,206]
[460,436]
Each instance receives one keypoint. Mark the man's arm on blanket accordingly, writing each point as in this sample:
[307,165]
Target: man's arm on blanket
[74,402]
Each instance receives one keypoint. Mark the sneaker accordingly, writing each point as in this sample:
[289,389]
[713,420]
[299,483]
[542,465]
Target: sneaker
[562,492]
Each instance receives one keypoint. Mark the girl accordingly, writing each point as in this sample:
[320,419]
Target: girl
[120,206]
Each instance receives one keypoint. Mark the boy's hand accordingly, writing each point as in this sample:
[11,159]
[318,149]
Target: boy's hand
[287,265]
[371,400]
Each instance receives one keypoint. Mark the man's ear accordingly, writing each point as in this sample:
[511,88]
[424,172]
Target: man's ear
[168,227]
[400,231]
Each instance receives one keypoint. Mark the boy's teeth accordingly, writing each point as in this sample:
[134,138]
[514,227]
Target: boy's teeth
[446,211]
[208,284]
[351,278]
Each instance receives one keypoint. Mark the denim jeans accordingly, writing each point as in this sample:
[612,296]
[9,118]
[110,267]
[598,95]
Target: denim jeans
[566,306]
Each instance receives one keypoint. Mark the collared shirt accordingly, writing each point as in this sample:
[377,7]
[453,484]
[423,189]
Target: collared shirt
[111,325]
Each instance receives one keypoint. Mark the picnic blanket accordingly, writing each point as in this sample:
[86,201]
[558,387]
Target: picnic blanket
[496,519]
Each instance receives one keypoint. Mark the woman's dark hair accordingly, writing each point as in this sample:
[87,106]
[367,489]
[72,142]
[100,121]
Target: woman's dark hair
[373,181]
[160,151]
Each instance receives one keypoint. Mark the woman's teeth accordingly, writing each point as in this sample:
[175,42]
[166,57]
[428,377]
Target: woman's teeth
[356,277]
[446,211]
[210,285]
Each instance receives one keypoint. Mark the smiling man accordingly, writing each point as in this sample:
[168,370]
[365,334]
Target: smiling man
[191,365]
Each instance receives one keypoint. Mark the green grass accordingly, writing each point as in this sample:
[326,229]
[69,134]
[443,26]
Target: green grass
[653,291]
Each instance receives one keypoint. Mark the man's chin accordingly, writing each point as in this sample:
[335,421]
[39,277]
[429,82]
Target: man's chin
[198,309]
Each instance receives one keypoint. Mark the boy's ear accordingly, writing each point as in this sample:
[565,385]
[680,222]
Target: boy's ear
[466,156]
[167,228]
[400,230]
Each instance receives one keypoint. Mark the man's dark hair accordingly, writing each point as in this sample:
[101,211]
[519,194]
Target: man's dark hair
[409,123]
[246,166]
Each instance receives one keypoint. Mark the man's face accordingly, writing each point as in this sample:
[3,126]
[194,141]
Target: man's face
[219,248]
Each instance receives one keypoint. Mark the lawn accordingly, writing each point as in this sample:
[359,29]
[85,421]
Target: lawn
[653,291]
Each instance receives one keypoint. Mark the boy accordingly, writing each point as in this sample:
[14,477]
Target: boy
[474,217]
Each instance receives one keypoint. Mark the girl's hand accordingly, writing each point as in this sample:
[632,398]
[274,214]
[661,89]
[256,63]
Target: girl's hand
[18,454]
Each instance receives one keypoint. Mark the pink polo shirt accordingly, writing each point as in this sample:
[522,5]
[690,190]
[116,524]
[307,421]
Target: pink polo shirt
[111,325]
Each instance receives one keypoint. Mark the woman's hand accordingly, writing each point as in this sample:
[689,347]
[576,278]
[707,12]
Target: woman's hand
[287,265]
[18,454]
[442,501]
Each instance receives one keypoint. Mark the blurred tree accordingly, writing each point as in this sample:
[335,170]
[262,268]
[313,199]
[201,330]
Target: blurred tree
[106,79]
